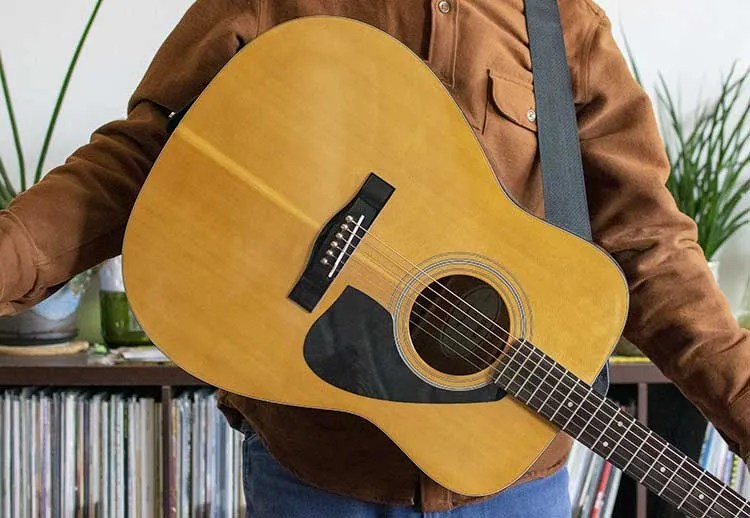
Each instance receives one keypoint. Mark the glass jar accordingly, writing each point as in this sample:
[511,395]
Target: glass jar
[119,325]
[743,317]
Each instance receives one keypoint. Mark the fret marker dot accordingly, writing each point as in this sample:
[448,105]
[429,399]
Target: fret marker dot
[700,496]
[662,469]
[605,444]
[570,403]
[619,423]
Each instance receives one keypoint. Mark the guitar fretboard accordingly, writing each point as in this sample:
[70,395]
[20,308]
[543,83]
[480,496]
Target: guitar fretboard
[552,391]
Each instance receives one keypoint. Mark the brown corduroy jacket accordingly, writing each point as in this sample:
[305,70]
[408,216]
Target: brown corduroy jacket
[76,216]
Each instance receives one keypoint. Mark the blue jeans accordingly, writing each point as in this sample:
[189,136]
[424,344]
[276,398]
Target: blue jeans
[273,492]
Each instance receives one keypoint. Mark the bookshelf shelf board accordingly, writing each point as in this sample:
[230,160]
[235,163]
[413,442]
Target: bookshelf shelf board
[634,372]
[82,370]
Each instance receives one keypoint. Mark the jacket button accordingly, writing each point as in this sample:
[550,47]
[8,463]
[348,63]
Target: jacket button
[531,115]
[444,6]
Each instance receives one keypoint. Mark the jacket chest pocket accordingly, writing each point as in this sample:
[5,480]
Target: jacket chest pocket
[509,136]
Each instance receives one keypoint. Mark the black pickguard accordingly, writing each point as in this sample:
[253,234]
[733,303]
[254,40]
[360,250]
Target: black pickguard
[352,347]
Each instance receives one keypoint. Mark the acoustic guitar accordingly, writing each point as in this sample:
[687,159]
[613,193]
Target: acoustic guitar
[322,229]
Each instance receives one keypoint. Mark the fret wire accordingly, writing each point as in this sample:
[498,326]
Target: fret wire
[593,414]
[615,411]
[580,406]
[560,406]
[642,446]
[542,380]
[672,497]
[710,484]
[670,478]
[552,363]
[554,388]
[531,373]
[587,393]
[632,433]
[515,373]
[508,358]
[656,461]
[606,426]
[534,350]
[573,413]
[622,436]
[713,502]
[637,450]
[687,494]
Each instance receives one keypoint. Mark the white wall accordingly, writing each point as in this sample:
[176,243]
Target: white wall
[690,41]
[37,40]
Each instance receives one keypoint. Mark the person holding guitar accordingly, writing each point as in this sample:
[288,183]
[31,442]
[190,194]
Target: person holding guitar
[320,463]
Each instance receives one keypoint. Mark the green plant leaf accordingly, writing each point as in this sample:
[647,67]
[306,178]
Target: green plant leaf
[6,188]
[14,131]
[708,156]
[63,91]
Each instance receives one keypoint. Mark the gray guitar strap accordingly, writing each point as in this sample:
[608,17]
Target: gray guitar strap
[559,148]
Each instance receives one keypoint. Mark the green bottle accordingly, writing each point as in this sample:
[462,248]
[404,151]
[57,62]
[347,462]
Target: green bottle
[119,325]
[743,317]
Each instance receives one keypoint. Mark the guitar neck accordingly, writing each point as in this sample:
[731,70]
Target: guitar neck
[553,392]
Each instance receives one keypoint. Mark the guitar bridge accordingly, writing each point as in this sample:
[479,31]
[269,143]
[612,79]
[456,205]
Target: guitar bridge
[338,239]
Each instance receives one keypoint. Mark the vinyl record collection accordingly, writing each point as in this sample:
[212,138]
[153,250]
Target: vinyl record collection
[725,465]
[97,454]
[206,459]
[593,483]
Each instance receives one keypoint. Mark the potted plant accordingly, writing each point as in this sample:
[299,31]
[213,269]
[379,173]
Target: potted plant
[53,320]
[708,156]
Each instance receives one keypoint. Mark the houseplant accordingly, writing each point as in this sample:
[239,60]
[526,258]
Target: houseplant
[54,320]
[708,156]
[708,152]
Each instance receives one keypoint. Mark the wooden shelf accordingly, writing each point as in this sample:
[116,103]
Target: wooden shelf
[627,373]
[83,370]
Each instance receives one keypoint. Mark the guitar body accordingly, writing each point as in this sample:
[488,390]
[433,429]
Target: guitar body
[227,222]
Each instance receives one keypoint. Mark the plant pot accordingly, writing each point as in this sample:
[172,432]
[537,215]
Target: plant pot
[52,321]
[714,267]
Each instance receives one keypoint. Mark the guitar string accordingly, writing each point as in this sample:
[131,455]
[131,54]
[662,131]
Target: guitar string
[683,505]
[661,453]
[712,481]
[668,489]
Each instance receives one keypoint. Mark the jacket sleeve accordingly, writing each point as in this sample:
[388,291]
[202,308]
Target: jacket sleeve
[678,316]
[75,217]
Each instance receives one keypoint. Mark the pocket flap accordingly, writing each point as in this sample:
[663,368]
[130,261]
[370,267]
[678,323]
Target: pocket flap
[514,100]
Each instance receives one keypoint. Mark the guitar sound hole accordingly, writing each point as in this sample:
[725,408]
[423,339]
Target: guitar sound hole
[458,324]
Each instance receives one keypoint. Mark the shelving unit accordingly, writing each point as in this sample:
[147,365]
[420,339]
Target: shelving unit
[80,370]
